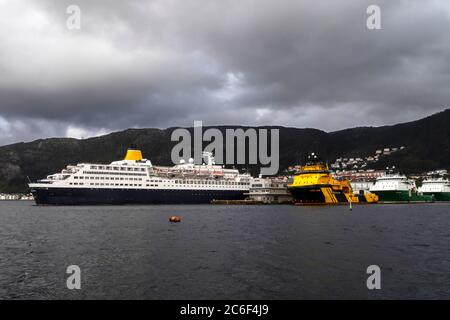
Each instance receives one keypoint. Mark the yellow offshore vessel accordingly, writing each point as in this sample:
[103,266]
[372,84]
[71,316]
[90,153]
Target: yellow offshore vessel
[314,184]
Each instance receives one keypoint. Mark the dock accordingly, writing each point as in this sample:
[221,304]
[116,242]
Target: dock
[240,202]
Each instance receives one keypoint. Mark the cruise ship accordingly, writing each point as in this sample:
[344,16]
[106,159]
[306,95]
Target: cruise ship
[397,188]
[439,188]
[135,180]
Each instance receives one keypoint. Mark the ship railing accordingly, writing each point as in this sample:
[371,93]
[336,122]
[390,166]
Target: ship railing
[44,181]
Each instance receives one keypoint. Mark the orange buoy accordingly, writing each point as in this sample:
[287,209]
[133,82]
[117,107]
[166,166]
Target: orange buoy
[175,219]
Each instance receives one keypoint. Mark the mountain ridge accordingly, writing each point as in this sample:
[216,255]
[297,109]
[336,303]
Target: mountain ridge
[427,142]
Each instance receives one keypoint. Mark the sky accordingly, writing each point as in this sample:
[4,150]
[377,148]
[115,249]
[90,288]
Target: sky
[167,63]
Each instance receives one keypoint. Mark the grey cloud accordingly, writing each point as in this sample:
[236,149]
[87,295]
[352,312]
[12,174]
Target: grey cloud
[168,63]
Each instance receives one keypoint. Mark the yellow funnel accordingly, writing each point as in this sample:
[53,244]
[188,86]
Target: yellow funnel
[133,154]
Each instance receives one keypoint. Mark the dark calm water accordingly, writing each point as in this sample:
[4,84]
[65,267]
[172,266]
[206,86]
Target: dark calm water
[224,252]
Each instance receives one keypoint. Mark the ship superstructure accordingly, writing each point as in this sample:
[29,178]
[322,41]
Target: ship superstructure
[269,190]
[397,188]
[439,188]
[135,180]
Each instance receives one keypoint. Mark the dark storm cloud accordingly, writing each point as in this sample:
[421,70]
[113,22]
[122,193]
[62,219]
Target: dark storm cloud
[168,63]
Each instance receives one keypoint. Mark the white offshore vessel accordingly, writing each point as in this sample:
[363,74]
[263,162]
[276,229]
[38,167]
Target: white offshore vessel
[439,188]
[135,180]
[397,188]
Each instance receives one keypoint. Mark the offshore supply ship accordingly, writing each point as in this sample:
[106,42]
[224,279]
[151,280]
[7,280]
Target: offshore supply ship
[439,188]
[314,184]
[398,188]
[135,180]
